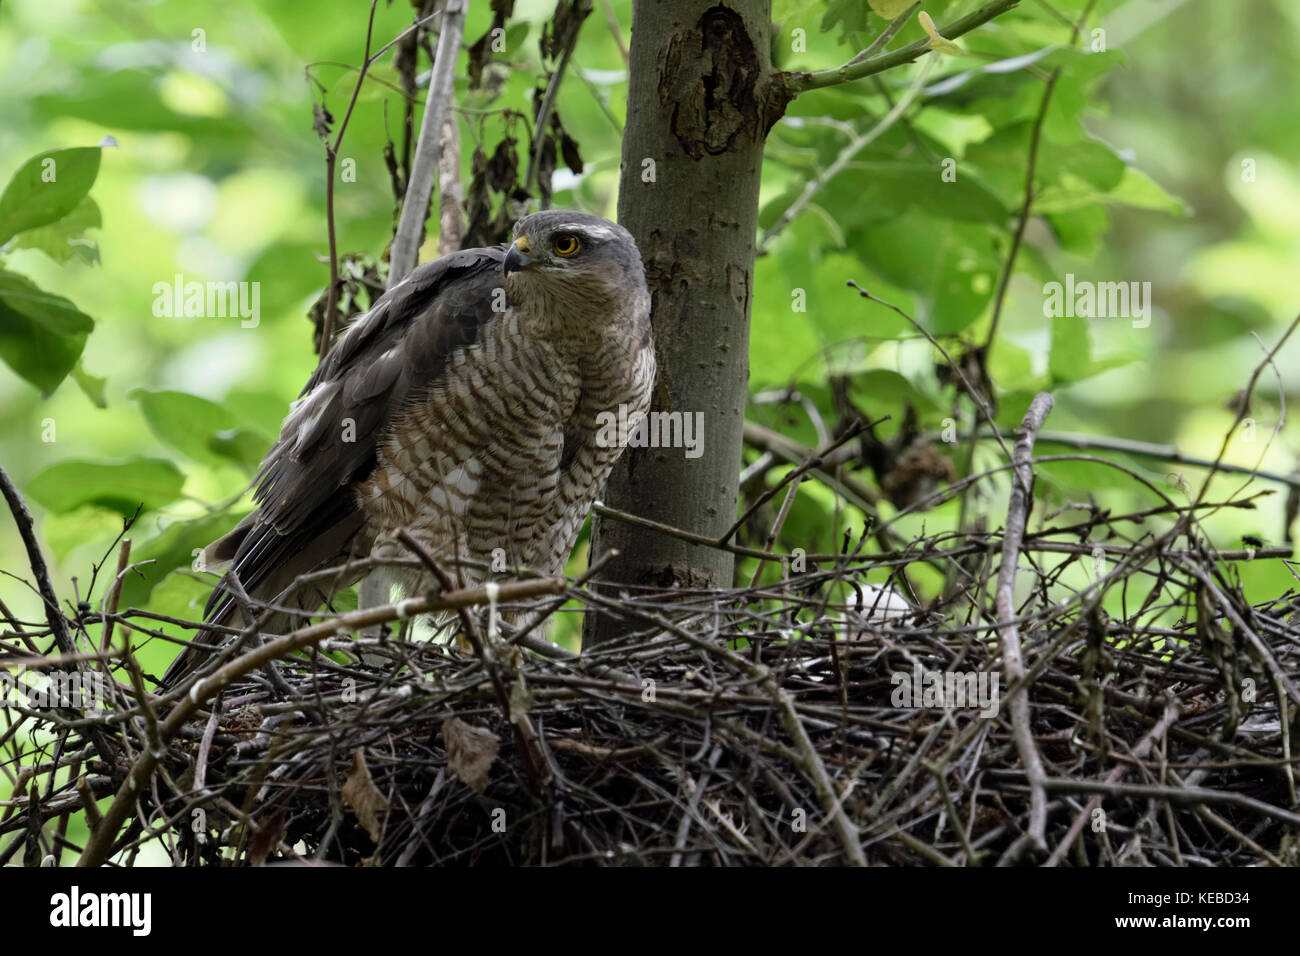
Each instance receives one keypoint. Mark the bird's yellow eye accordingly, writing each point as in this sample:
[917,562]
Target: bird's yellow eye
[566,245]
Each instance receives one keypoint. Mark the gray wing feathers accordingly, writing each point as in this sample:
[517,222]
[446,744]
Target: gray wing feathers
[307,515]
[384,360]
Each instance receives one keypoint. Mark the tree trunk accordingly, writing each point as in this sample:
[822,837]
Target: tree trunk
[701,99]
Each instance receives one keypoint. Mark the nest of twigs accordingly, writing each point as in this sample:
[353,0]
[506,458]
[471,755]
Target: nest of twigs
[764,726]
[1075,695]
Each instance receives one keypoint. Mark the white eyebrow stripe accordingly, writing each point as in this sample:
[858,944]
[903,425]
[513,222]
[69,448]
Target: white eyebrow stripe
[585,229]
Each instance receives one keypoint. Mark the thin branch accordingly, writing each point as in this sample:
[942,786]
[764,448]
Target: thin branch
[854,146]
[26,530]
[769,440]
[1022,499]
[1031,166]
[811,462]
[1144,449]
[1180,796]
[975,395]
[611,20]
[1244,405]
[451,213]
[101,841]
[887,34]
[548,105]
[114,593]
[1022,217]
[525,734]
[856,68]
[331,163]
[1115,776]
[415,207]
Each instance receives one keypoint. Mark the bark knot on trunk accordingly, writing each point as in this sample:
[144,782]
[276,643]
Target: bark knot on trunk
[715,85]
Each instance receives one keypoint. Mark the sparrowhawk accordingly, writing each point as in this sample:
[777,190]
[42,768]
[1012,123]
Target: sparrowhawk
[462,407]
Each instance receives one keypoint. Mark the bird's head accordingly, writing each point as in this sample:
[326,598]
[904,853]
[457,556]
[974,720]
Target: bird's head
[568,263]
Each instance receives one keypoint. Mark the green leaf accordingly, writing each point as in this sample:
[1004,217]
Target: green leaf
[66,238]
[1071,356]
[889,8]
[171,549]
[1082,65]
[852,15]
[46,188]
[781,339]
[199,429]
[951,266]
[1080,230]
[1004,99]
[91,385]
[41,334]
[887,390]
[243,446]
[1012,367]
[883,190]
[1000,161]
[516,34]
[841,314]
[1138,189]
[784,9]
[773,208]
[151,482]
[1093,180]
[263,411]
[87,527]
[287,272]
[1068,175]
[1092,161]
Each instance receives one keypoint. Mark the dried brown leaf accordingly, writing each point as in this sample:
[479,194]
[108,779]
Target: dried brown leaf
[471,751]
[267,837]
[361,794]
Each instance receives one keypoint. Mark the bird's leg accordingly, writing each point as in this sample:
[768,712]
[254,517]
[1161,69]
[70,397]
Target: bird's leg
[375,590]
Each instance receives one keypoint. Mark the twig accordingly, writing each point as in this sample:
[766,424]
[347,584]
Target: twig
[1117,774]
[1244,405]
[857,144]
[775,531]
[331,160]
[1233,615]
[205,748]
[1129,446]
[858,67]
[1031,167]
[114,593]
[861,495]
[813,461]
[976,396]
[611,20]
[548,104]
[49,600]
[451,213]
[887,34]
[26,531]
[331,163]
[97,848]
[415,207]
[1022,500]
[1182,796]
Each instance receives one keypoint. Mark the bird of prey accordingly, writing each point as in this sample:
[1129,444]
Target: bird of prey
[462,407]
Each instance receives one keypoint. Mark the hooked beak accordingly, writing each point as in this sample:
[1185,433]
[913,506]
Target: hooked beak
[517,257]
